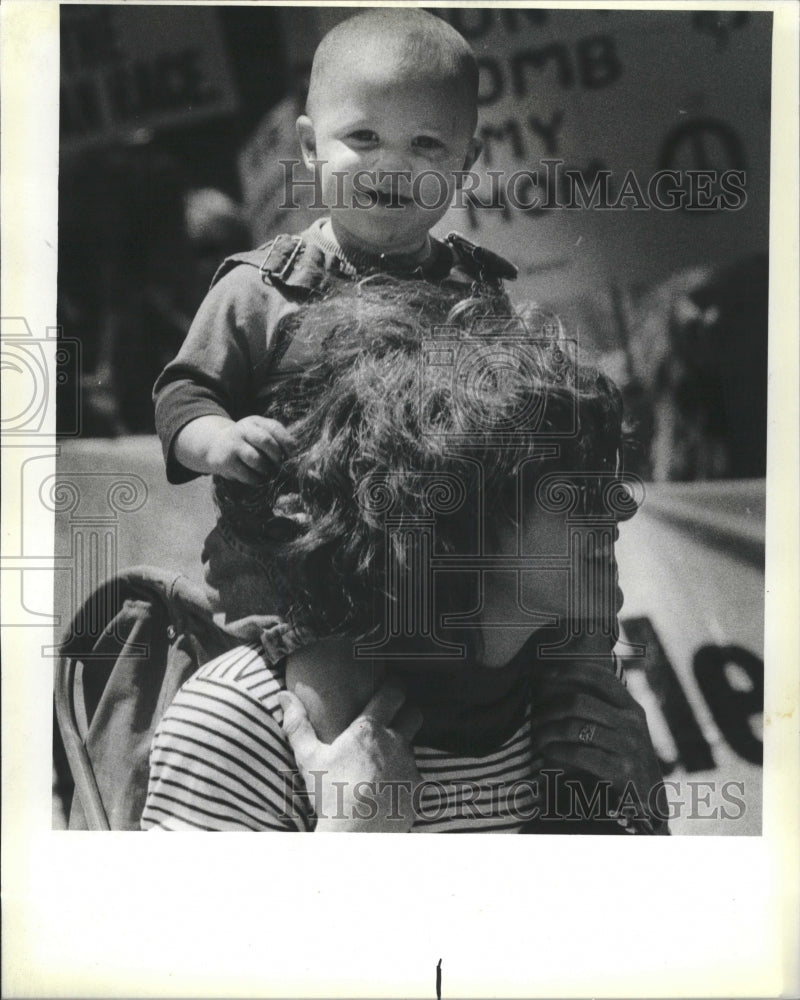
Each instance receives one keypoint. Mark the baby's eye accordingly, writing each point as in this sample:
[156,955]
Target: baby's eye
[363,137]
[428,143]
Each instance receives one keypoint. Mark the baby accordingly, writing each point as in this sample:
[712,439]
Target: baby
[392,108]
[390,123]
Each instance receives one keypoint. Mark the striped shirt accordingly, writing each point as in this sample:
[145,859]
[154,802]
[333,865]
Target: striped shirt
[220,761]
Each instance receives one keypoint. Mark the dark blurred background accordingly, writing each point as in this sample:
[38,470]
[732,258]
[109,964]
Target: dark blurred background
[174,120]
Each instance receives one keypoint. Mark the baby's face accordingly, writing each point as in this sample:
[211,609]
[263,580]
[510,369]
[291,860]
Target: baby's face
[389,146]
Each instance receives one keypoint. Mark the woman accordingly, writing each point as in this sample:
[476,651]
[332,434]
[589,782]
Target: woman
[447,521]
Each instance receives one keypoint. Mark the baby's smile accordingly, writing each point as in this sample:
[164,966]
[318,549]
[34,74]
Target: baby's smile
[390,199]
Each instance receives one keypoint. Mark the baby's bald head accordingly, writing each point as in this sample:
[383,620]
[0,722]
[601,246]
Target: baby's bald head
[409,43]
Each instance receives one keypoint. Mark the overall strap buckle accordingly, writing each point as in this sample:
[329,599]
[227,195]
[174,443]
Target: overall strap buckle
[479,262]
[280,260]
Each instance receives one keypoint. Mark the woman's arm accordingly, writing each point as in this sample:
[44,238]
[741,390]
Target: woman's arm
[222,758]
[219,758]
[589,731]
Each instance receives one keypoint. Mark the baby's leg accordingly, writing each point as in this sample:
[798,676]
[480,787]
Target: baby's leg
[333,686]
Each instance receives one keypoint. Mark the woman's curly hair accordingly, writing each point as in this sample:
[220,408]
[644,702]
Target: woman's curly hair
[419,403]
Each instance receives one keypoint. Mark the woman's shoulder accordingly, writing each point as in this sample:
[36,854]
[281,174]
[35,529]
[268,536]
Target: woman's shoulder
[244,669]
[236,692]
[219,758]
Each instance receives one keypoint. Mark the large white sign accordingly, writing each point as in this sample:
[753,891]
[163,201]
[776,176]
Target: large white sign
[691,565]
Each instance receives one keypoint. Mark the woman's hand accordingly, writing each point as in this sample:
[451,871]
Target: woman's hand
[333,686]
[364,780]
[586,724]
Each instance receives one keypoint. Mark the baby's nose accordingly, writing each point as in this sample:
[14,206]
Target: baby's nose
[393,169]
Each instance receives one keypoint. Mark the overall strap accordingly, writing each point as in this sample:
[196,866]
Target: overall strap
[299,267]
[290,263]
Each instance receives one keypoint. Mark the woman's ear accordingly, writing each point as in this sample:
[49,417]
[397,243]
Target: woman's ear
[308,140]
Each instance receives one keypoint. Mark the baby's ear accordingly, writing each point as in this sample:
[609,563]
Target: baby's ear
[473,152]
[308,139]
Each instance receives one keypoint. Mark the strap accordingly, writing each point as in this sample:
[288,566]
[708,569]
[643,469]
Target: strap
[295,264]
[290,263]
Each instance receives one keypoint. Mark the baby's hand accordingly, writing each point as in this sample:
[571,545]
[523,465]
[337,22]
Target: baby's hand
[248,450]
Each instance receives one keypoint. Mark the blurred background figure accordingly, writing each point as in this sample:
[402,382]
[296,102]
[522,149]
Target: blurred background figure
[139,255]
[697,380]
